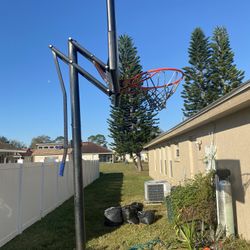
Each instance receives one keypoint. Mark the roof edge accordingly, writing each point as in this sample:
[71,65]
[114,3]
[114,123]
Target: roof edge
[216,103]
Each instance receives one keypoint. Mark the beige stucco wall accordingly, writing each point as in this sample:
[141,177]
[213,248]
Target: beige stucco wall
[231,136]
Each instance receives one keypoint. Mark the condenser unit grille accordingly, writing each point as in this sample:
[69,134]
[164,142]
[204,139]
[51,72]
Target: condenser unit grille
[155,192]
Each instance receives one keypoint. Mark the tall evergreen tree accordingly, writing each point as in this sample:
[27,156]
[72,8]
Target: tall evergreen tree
[3,139]
[133,123]
[98,139]
[225,76]
[40,139]
[197,88]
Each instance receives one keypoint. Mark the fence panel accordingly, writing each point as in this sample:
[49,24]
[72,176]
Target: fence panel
[64,190]
[30,194]
[9,190]
[70,179]
[29,191]
[50,188]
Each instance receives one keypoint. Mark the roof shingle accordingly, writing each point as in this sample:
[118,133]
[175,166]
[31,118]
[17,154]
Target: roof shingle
[90,147]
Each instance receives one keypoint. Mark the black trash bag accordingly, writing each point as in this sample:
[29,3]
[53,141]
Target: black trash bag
[146,217]
[113,216]
[137,205]
[129,215]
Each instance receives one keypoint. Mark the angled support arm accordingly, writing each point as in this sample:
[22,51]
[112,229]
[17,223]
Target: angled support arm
[88,55]
[82,72]
[65,115]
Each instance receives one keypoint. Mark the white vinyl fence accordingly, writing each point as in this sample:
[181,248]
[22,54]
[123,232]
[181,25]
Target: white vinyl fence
[29,191]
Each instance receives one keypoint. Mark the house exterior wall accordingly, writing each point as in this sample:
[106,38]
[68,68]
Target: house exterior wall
[108,158]
[85,156]
[9,157]
[231,136]
[90,156]
[102,157]
[57,158]
[49,158]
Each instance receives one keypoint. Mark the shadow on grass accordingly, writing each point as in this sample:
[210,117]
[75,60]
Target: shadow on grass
[103,193]
[158,217]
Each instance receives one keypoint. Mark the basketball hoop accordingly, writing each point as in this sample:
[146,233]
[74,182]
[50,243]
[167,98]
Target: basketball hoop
[157,85]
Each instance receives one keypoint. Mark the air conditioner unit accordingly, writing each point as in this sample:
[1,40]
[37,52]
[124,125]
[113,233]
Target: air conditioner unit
[155,191]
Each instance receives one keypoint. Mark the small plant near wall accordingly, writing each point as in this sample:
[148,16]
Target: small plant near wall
[216,237]
[198,235]
[186,234]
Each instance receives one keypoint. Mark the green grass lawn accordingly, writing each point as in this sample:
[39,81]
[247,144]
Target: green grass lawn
[119,184]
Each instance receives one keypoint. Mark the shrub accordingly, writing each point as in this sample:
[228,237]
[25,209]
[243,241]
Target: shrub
[195,200]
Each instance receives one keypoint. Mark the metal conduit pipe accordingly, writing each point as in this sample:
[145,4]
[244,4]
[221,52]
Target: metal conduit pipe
[65,115]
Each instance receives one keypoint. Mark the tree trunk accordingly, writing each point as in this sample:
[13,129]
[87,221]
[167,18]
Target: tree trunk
[139,163]
[134,160]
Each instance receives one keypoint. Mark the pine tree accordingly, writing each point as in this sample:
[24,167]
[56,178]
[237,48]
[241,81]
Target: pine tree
[133,123]
[197,91]
[225,76]
[119,127]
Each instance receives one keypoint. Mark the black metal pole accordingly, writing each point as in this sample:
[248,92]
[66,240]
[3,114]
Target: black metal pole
[77,150]
[112,43]
[113,48]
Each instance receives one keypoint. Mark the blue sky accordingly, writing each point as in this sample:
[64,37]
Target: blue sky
[31,103]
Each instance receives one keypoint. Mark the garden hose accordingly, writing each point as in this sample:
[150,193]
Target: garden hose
[149,245]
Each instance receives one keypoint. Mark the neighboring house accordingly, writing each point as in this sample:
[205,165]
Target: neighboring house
[220,131]
[49,155]
[27,155]
[49,152]
[92,151]
[9,154]
[52,152]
